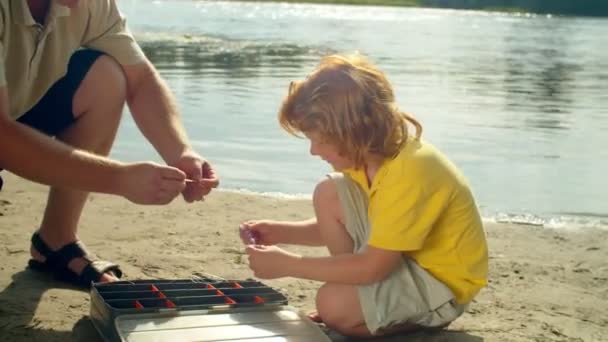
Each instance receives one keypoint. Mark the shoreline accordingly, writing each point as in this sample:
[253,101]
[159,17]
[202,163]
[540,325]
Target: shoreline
[575,222]
[545,284]
[419,4]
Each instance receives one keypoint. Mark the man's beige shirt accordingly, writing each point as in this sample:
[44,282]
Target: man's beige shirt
[33,57]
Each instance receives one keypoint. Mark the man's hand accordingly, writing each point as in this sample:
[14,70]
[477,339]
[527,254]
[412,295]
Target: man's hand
[201,172]
[151,183]
[270,262]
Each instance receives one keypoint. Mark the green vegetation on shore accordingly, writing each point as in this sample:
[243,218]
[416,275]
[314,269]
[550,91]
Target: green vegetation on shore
[560,7]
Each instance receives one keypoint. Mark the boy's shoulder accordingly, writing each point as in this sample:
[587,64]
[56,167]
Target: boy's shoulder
[418,154]
[422,161]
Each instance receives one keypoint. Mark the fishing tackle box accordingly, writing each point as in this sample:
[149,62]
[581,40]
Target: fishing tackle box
[201,310]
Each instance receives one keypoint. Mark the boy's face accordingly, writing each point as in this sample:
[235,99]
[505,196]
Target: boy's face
[329,152]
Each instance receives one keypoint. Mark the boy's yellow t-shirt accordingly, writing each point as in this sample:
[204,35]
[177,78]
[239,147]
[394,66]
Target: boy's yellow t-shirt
[421,204]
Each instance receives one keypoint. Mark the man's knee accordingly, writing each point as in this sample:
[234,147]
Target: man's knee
[112,76]
[105,86]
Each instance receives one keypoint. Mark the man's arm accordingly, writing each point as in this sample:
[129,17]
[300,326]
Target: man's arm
[32,155]
[155,112]
[153,107]
[151,103]
[35,156]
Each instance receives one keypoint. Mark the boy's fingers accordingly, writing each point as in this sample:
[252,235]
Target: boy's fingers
[253,248]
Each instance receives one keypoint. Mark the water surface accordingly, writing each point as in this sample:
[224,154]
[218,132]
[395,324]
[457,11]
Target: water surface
[518,102]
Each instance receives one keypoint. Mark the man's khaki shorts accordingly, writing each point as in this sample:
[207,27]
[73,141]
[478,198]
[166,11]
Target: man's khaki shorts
[410,294]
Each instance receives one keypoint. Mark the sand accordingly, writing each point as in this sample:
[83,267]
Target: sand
[545,285]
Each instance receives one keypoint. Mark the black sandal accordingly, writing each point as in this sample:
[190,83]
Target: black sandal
[56,263]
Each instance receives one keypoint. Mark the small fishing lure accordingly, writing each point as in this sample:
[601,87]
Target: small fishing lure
[248,235]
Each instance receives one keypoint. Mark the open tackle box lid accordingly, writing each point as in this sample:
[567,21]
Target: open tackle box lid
[197,310]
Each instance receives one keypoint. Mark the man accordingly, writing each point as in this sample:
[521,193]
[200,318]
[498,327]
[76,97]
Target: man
[50,87]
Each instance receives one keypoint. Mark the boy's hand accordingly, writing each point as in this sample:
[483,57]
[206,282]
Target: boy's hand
[266,232]
[270,262]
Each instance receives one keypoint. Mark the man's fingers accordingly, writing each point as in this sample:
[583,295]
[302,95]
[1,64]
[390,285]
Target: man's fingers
[194,192]
[204,182]
[170,189]
[209,182]
[172,186]
[209,176]
[164,197]
[173,174]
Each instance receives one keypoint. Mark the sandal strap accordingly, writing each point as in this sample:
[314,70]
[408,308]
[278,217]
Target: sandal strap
[62,257]
[41,246]
[58,261]
[93,271]
[67,253]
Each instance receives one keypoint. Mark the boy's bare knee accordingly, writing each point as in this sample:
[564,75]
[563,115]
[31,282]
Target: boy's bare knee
[325,302]
[340,310]
[329,306]
[326,188]
[325,195]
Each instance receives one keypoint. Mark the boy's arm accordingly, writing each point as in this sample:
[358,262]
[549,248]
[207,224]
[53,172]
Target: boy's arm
[304,233]
[368,267]
[371,266]
[271,232]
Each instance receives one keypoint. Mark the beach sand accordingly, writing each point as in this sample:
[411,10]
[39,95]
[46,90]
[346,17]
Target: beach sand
[545,285]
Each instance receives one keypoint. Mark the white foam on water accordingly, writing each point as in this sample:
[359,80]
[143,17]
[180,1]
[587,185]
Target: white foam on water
[568,222]
[271,194]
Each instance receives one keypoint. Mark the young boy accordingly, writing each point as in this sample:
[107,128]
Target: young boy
[406,242]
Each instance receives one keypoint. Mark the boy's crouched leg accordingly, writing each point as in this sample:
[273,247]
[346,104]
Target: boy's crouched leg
[409,299]
[339,307]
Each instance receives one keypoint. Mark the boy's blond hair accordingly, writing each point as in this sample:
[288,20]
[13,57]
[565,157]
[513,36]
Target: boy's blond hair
[350,103]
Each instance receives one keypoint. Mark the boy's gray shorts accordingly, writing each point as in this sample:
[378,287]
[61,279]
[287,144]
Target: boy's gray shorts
[410,294]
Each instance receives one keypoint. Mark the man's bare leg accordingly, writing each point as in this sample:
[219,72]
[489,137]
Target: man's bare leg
[97,106]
